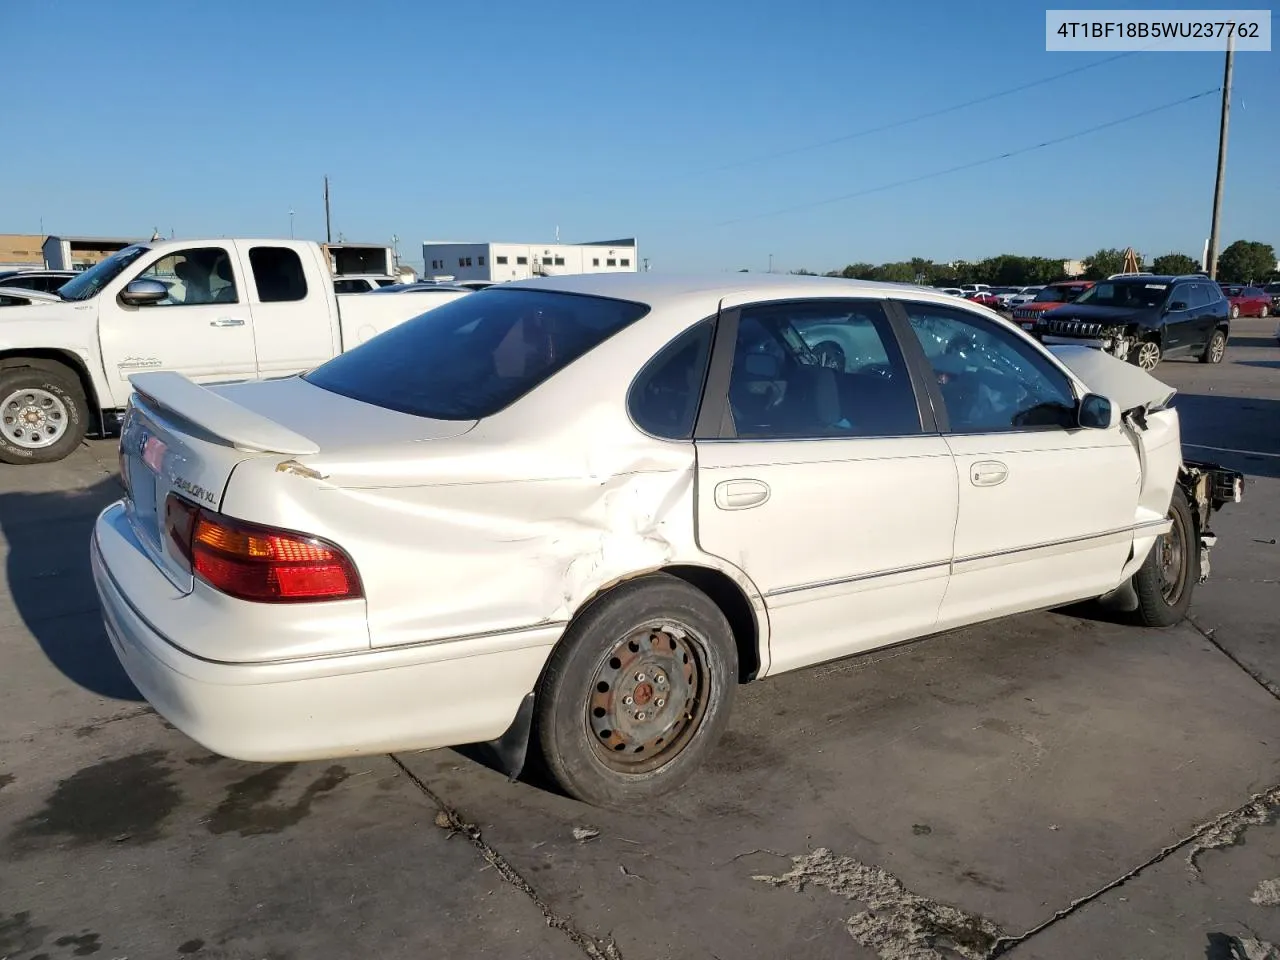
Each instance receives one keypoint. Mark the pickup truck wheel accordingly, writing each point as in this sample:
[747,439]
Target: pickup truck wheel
[635,696]
[1145,354]
[1215,349]
[43,414]
[1168,576]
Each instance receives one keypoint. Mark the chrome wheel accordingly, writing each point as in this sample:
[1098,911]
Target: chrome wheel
[1148,355]
[1171,560]
[1217,347]
[1235,311]
[33,418]
[648,698]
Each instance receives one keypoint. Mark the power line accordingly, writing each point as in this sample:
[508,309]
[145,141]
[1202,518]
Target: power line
[918,117]
[973,163]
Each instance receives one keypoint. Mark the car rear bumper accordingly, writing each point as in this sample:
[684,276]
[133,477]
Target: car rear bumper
[431,695]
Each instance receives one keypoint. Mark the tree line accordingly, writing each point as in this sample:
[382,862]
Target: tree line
[1245,261]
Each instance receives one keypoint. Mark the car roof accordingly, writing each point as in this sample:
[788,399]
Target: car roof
[656,289]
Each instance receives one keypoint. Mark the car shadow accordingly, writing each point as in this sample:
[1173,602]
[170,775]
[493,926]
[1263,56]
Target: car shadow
[1252,342]
[1266,364]
[48,576]
[1236,432]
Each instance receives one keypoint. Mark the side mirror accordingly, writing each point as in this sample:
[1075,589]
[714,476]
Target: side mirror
[1176,306]
[1094,412]
[143,293]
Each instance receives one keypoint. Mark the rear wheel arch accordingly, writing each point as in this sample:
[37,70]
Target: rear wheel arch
[723,591]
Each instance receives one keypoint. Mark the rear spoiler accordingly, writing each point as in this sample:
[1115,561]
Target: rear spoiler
[241,428]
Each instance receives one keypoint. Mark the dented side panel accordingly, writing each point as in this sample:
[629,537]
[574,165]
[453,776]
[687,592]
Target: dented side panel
[461,549]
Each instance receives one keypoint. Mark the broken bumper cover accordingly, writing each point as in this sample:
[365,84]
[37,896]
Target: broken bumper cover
[1208,488]
[1116,339]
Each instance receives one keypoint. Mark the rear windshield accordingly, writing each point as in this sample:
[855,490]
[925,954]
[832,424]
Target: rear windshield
[475,355]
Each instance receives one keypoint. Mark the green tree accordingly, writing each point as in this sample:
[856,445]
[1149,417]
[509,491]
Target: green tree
[859,271]
[1246,261]
[1175,263]
[1104,263]
[802,272]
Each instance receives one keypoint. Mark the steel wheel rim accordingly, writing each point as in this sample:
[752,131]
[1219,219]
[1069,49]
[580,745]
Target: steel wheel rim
[1148,356]
[33,418]
[1171,560]
[662,660]
[1217,347]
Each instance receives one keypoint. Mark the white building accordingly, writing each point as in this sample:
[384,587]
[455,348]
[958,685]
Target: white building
[518,261]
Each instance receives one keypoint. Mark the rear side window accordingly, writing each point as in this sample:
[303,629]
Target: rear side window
[472,357]
[664,398]
[277,271]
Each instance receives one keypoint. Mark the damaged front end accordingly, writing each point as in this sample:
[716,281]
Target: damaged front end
[1208,488]
[1116,339]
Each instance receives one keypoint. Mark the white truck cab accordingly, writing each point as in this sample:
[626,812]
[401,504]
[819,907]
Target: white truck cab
[214,310]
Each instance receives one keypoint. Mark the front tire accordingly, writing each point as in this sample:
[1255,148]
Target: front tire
[1235,311]
[1215,349]
[1145,354]
[1266,312]
[1165,581]
[636,695]
[43,414]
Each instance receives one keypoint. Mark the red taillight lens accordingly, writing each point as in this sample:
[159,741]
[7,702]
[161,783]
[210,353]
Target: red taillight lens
[254,562]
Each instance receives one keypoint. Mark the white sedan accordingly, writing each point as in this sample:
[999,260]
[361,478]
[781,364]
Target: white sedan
[590,506]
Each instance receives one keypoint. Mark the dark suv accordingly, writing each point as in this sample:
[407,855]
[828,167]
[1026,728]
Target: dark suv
[1144,319]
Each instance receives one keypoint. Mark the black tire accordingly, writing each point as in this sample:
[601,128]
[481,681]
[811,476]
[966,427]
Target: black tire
[1161,604]
[56,396]
[1266,312]
[585,684]
[1215,349]
[1235,311]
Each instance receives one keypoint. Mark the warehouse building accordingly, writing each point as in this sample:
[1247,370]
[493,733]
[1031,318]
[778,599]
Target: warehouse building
[519,261]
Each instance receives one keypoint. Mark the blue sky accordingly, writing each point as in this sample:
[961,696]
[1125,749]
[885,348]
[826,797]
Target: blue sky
[505,120]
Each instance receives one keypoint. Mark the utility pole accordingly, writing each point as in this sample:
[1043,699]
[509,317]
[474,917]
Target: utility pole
[328,233]
[1214,239]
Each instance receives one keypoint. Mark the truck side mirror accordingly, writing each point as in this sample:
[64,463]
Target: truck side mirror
[143,293]
[1094,412]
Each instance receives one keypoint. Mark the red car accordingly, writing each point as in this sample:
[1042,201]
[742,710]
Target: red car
[983,297]
[1246,301]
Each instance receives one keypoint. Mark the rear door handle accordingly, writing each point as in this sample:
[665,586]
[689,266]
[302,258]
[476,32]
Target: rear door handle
[741,494]
[227,322]
[988,473]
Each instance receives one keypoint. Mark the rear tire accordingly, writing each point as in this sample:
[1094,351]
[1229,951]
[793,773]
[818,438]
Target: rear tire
[1215,349]
[1266,312]
[43,414]
[1235,311]
[1165,581]
[636,695]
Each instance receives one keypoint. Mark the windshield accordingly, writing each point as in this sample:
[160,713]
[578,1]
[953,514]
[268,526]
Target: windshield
[1134,296]
[475,355]
[1057,294]
[91,282]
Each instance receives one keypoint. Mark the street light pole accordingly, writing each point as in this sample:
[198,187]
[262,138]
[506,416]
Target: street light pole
[290,223]
[1212,261]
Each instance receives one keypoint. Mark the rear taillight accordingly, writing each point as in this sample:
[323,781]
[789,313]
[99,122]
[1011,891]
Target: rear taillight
[255,562]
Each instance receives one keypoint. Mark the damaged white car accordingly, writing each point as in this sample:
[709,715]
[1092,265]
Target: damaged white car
[575,513]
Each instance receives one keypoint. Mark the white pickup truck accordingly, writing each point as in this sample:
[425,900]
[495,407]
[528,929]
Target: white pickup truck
[213,310]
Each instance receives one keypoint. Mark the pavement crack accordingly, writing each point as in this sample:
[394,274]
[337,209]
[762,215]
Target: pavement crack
[1258,678]
[1222,831]
[448,818]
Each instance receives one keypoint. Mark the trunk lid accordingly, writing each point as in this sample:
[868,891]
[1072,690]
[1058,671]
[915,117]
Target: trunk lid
[182,438]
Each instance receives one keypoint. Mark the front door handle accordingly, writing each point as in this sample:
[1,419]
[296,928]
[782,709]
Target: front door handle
[227,322]
[988,473]
[741,494]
